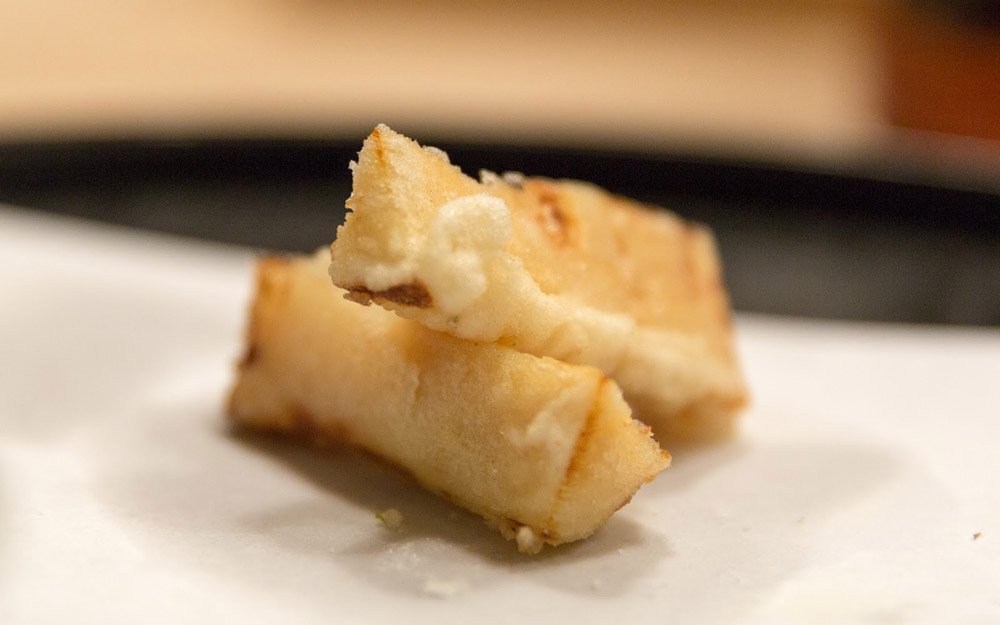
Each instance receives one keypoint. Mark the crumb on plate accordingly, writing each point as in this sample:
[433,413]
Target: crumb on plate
[391,518]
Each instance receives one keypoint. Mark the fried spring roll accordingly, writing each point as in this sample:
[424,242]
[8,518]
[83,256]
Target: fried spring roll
[545,451]
[560,269]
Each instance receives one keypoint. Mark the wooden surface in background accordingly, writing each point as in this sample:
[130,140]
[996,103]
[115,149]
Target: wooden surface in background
[755,76]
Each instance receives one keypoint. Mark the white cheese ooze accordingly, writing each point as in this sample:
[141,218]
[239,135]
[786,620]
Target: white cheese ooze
[466,235]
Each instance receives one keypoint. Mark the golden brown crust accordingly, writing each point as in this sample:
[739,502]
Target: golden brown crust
[553,268]
[486,426]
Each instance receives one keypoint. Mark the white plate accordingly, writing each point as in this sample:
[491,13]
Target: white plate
[866,465]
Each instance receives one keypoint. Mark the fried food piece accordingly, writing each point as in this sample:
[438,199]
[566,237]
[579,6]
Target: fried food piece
[544,450]
[551,268]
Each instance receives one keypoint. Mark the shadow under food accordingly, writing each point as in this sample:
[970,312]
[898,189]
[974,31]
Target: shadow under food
[438,548]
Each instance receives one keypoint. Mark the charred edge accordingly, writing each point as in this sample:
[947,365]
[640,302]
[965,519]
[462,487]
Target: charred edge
[414,294]
[359,295]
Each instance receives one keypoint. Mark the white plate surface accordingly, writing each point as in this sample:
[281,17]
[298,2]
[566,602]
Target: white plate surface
[865,467]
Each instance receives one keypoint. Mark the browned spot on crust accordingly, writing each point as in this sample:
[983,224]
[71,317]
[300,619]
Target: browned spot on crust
[689,274]
[249,356]
[626,501]
[267,285]
[581,442]
[379,152]
[359,295]
[304,425]
[268,282]
[274,260]
[277,259]
[414,294]
[553,217]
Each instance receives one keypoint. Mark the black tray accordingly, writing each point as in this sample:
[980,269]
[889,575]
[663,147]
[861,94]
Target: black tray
[874,239]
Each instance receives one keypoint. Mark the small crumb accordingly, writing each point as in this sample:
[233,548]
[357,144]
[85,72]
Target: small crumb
[443,588]
[528,541]
[801,520]
[977,536]
[391,518]
[488,177]
[514,178]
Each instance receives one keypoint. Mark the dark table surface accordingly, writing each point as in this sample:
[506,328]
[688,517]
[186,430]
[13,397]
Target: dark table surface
[877,240]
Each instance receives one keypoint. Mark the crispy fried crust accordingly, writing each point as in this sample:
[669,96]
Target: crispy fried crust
[544,450]
[561,269]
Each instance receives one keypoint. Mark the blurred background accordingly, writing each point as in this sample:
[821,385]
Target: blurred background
[846,152]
